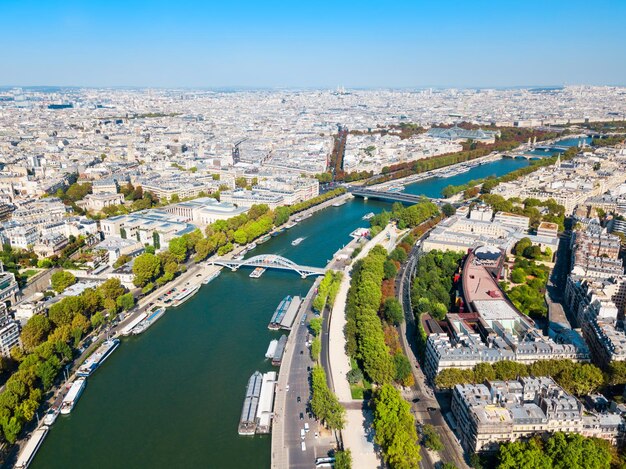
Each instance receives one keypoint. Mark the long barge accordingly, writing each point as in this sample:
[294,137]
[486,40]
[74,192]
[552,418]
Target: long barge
[132,324]
[247,423]
[72,396]
[98,357]
[277,359]
[184,295]
[151,319]
[30,449]
[279,313]
[290,314]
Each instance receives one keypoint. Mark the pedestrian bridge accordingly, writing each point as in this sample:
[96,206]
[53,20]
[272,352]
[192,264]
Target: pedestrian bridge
[390,196]
[270,261]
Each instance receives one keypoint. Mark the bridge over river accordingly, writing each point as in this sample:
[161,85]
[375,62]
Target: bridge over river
[393,196]
[270,261]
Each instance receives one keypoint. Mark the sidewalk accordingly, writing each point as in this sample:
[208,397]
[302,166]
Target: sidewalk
[357,434]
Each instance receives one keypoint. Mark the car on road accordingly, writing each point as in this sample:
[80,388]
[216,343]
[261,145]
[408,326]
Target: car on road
[306,427]
[417,399]
[303,446]
[298,400]
[302,433]
[431,409]
[301,416]
[287,388]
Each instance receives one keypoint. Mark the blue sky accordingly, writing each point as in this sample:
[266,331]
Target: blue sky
[313,43]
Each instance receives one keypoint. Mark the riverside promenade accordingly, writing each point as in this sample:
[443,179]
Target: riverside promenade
[357,434]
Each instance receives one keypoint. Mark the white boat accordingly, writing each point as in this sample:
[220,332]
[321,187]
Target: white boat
[256,273]
[31,447]
[131,325]
[51,416]
[212,277]
[184,295]
[72,396]
[154,316]
[251,246]
[98,357]
[291,225]
[339,204]
[271,349]
[368,216]
[297,241]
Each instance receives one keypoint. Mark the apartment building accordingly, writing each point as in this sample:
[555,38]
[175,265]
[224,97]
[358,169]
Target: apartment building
[498,412]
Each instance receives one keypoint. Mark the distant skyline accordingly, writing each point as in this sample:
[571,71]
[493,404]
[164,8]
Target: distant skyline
[321,44]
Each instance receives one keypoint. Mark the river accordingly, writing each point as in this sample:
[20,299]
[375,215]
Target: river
[172,396]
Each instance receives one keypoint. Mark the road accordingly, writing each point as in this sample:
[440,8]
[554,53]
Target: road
[420,395]
[292,397]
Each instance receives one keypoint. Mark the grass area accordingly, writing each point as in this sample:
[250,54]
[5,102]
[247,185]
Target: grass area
[29,273]
[357,391]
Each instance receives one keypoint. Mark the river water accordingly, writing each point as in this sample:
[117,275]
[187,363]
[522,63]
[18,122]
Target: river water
[172,396]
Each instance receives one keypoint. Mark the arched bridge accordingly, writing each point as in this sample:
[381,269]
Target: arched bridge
[270,261]
[390,196]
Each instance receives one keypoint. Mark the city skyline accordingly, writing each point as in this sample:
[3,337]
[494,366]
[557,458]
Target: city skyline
[458,45]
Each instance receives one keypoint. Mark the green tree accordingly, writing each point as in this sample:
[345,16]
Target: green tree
[316,325]
[393,311]
[316,348]
[518,454]
[126,302]
[343,459]
[390,269]
[61,280]
[35,331]
[178,248]
[521,246]
[432,440]
[402,368]
[448,210]
[394,428]
[111,289]
[518,275]
[146,267]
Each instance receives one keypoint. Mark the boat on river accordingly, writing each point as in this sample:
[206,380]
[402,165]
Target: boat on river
[72,396]
[297,241]
[153,317]
[256,273]
[368,216]
[185,294]
[264,239]
[213,276]
[98,357]
[279,313]
[291,225]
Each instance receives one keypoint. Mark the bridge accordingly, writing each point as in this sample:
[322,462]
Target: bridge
[390,196]
[270,261]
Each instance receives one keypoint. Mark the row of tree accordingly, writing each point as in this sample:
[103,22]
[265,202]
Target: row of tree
[406,217]
[324,403]
[365,338]
[327,290]
[579,379]
[560,450]
[47,346]
[394,428]
[509,139]
[489,183]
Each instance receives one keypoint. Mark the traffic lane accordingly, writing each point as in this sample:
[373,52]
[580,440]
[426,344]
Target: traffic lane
[299,387]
